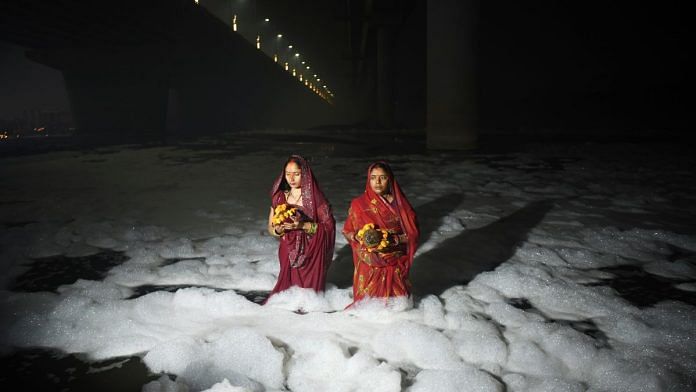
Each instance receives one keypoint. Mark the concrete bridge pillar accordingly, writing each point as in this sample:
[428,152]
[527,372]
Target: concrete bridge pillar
[451,93]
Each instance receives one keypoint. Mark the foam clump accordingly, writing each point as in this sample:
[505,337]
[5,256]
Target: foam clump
[516,382]
[433,312]
[465,378]
[380,309]
[165,384]
[241,355]
[408,342]
[679,270]
[628,244]
[225,386]
[149,233]
[322,364]
[583,258]
[480,344]
[298,298]
[101,235]
[211,302]
[178,248]
[538,254]
[100,291]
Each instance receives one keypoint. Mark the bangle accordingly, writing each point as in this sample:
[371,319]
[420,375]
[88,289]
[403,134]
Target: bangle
[273,232]
[312,228]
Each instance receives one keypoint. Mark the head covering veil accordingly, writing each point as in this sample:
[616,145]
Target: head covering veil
[312,196]
[407,215]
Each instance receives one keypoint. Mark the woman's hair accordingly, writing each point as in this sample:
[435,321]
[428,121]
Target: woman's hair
[284,186]
[384,166]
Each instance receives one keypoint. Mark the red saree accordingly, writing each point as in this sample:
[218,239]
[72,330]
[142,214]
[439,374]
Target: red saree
[382,274]
[304,258]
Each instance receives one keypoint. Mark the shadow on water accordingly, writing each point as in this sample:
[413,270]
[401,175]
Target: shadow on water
[429,215]
[459,259]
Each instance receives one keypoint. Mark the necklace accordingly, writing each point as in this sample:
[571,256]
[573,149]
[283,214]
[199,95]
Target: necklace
[297,198]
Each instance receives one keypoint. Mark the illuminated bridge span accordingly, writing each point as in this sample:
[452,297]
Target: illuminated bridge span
[141,68]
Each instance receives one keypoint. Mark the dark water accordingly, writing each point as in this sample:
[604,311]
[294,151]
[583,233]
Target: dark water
[48,370]
[587,326]
[49,273]
[644,289]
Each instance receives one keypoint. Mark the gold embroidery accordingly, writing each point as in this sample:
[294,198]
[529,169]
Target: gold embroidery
[373,201]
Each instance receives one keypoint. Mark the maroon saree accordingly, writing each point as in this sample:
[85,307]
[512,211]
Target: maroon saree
[305,258]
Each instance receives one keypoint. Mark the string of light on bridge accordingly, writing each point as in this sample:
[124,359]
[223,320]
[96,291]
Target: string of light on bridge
[285,54]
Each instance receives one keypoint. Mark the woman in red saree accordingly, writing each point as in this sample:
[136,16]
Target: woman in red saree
[306,238]
[382,273]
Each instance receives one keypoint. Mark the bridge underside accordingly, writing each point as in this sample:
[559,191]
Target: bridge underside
[146,69]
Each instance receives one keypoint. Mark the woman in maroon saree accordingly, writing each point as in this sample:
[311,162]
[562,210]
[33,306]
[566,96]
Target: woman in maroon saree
[307,238]
[382,273]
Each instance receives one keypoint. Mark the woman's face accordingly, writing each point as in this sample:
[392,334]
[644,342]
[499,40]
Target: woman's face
[379,181]
[293,175]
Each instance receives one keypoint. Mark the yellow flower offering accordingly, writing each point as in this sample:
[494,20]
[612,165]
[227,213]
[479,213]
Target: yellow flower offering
[372,238]
[283,213]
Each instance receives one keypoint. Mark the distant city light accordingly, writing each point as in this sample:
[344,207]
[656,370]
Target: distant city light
[289,46]
[234,23]
[297,55]
[280,35]
[258,42]
[267,20]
